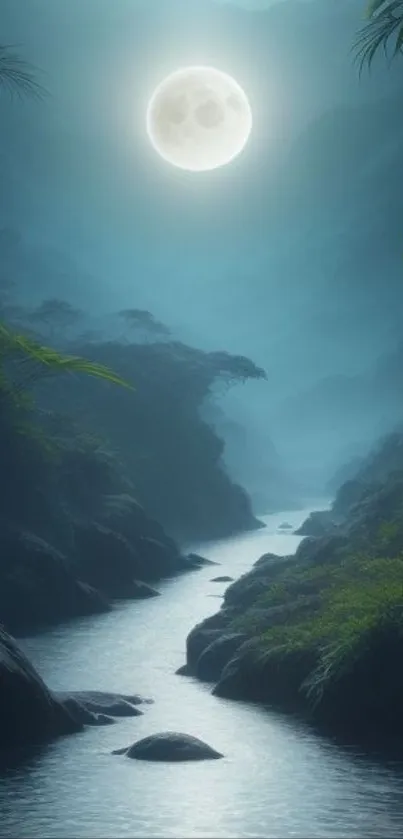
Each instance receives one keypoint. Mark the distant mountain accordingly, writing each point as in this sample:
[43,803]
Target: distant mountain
[340,417]
[294,257]
[252,460]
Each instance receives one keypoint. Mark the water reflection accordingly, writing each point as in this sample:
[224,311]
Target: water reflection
[278,777]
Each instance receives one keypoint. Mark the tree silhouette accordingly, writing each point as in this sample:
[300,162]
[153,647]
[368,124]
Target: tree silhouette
[143,322]
[234,368]
[384,30]
[55,314]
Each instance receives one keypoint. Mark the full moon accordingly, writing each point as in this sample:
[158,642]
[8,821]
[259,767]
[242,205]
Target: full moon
[199,118]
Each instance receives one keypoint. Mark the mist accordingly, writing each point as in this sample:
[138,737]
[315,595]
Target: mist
[201,418]
[292,256]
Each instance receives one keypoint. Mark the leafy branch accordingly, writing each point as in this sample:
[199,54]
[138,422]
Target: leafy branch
[34,361]
[384,30]
[17,76]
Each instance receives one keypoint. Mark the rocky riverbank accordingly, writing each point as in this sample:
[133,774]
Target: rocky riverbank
[31,713]
[100,485]
[320,632]
[74,535]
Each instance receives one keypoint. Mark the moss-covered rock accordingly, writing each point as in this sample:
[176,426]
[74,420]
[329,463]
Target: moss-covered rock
[320,632]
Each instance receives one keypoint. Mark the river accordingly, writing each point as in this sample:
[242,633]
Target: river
[278,778]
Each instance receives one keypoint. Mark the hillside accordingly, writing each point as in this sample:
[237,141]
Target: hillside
[321,632]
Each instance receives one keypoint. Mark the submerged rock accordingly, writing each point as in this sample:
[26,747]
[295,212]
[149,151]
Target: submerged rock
[170,746]
[97,708]
[197,561]
[285,526]
[224,579]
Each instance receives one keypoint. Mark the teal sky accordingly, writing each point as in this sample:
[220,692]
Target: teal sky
[254,4]
[274,256]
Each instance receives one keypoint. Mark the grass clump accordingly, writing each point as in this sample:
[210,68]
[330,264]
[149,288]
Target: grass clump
[335,614]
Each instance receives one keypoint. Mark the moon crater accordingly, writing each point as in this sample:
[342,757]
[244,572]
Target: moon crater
[199,118]
[210,114]
[176,109]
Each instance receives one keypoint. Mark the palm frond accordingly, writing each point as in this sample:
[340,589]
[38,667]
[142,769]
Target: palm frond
[384,30]
[46,360]
[17,77]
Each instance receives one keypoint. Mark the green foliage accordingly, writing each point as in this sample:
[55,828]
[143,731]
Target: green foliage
[30,358]
[167,452]
[354,599]
[387,533]
[384,30]
[353,616]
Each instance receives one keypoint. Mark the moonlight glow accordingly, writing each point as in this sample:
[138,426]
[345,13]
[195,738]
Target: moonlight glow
[199,118]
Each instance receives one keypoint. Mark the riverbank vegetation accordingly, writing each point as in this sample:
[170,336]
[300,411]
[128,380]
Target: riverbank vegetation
[322,631]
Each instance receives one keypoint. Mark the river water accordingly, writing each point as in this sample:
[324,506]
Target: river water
[278,778]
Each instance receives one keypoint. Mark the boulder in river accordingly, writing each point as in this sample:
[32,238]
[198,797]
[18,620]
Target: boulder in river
[285,526]
[223,579]
[196,561]
[31,713]
[94,707]
[170,746]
